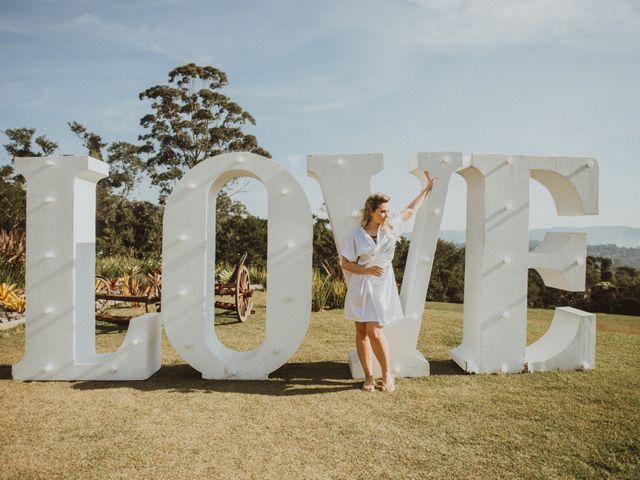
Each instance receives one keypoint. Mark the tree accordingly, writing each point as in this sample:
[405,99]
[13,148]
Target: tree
[13,197]
[91,141]
[125,162]
[237,232]
[325,256]
[20,143]
[13,200]
[606,270]
[191,121]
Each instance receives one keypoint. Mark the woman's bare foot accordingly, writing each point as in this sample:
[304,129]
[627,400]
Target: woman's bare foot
[369,384]
[388,383]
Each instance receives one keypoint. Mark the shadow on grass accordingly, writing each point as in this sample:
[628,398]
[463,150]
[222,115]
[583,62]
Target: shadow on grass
[445,367]
[106,327]
[226,317]
[290,379]
[5,372]
[301,378]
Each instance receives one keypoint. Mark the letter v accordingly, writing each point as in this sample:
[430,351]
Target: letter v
[345,180]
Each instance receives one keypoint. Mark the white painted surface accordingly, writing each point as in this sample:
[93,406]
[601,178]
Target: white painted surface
[189,258]
[568,344]
[60,322]
[60,316]
[345,180]
[497,257]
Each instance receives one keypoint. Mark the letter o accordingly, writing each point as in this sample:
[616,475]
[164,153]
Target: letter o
[189,259]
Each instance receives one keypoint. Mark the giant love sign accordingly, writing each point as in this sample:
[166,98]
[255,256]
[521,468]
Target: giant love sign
[60,324]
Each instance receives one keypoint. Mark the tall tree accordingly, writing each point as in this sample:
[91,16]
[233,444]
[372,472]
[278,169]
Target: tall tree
[191,121]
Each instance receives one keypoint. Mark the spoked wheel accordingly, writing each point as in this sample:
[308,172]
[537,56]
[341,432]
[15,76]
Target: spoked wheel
[243,294]
[102,286]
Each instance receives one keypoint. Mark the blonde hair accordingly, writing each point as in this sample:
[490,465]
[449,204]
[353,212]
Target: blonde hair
[371,204]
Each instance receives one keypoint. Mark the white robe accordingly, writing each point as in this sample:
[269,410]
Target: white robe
[370,298]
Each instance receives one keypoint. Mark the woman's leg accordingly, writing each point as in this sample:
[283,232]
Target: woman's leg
[380,350]
[363,347]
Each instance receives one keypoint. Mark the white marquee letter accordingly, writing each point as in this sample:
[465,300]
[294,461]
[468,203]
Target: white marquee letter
[60,321]
[345,181]
[498,258]
[188,266]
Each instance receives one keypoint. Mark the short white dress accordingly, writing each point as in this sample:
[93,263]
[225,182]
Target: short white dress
[370,298]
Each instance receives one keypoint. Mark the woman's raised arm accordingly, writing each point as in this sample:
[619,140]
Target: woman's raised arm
[408,212]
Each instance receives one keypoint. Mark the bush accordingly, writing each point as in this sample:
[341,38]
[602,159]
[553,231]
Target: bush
[120,265]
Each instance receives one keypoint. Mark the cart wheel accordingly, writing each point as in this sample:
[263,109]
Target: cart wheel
[243,294]
[102,286]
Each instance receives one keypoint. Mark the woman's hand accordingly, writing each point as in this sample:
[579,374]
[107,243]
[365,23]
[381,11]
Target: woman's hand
[430,179]
[375,270]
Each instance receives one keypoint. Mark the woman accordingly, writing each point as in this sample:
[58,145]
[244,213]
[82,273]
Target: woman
[372,296]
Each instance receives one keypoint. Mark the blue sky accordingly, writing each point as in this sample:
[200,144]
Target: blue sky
[540,77]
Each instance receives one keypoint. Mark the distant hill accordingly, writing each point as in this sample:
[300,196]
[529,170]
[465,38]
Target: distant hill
[620,236]
[621,256]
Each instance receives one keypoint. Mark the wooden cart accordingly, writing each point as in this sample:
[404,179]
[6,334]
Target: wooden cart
[109,293]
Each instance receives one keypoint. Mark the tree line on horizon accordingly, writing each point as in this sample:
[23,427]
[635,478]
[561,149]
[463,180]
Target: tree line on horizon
[190,120]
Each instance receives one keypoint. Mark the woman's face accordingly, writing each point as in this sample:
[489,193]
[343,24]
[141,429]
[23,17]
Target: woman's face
[381,214]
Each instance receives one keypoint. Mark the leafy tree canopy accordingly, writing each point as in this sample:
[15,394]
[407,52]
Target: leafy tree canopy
[191,121]
[21,143]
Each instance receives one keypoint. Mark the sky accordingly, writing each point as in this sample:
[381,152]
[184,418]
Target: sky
[545,77]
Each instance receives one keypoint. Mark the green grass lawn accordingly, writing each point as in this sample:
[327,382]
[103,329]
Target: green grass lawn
[310,420]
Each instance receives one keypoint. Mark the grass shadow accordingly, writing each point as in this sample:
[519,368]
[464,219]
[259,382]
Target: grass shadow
[296,378]
[305,378]
[445,367]
[5,372]
[226,317]
[107,327]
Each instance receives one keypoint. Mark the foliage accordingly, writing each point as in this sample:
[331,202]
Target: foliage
[13,246]
[258,275]
[13,198]
[237,232]
[135,283]
[119,265]
[128,228]
[12,298]
[12,256]
[191,121]
[21,143]
[447,274]
[324,247]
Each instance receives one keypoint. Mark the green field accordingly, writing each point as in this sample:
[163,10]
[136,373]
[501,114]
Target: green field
[310,420]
